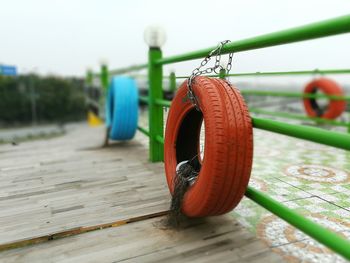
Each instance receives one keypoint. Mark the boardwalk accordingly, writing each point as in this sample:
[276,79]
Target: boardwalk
[65,185]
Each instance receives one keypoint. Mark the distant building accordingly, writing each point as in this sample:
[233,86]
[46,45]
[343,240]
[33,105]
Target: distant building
[7,70]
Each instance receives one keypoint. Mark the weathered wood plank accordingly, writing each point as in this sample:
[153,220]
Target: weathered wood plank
[219,239]
[71,181]
[70,185]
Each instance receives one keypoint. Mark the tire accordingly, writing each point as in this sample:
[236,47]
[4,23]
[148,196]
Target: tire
[227,162]
[122,108]
[334,108]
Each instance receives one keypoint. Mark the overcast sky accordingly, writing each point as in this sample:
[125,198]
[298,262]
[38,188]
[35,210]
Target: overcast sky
[65,37]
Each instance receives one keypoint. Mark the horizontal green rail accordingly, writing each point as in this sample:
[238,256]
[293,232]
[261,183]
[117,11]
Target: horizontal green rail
[160,102]
[160,139]
[330,138]
[138,76]
[143,130]
[144,99]
[299,117]
[314,230]
[128,69]
[164,103]
[293,94]
[280,73]
[335,26]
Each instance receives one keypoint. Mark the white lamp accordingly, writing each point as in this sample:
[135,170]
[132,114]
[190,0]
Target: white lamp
[103,61]
[155,36]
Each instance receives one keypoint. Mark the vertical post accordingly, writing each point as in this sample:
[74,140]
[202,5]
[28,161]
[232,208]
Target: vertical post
[172,82]
[222,73]
[104,77]
[155,77]
[89,77]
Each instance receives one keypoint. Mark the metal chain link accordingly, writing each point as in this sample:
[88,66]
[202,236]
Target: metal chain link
[216,68]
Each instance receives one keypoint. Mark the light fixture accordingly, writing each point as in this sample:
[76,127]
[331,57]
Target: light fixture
[103,61]
[155,36]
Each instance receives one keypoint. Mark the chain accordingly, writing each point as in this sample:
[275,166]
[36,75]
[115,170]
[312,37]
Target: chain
[216,68]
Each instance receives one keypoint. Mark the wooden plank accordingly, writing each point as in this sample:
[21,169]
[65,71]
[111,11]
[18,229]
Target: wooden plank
[71,181]
[62,189]
[219,239]
[76,231]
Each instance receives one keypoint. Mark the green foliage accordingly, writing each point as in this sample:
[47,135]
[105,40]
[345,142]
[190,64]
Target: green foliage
[56,99]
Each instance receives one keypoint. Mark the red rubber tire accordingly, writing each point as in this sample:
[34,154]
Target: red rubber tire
[227,162]
[335,107]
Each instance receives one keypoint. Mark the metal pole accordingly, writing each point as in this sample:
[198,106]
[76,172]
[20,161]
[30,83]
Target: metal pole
[104,76]
[331,138]
[330,27]
[89,77]
[299,117]
[172,82]
[155,75]
[293,94]
[222,74]
[128,69]
[281,73]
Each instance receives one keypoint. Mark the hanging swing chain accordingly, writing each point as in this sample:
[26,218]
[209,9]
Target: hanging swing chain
[216,68]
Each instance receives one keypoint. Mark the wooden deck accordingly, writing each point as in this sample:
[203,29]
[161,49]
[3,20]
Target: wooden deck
[63,186]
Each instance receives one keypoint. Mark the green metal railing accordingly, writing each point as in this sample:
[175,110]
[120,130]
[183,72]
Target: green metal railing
[156,103]
[317,120]
[282,73]
[330,138]
[128,69]
[298,116]
[104,76]
[287,94]
[293,95]
[321,29]
[319,233]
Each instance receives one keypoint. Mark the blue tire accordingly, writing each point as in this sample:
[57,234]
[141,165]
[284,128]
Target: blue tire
[122,108]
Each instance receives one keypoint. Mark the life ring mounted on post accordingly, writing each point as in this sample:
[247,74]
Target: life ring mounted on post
[333,109]
[224,172]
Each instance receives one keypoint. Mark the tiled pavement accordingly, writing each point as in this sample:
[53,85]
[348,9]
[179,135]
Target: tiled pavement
[312,179]
[309,178]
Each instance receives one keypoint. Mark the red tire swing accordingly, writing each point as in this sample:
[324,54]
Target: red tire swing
[226,166]
[334,108]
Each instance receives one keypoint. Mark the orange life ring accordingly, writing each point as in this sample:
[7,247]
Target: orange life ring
[228,151]
[334,108]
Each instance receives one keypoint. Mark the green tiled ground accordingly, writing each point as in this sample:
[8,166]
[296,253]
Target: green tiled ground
[321,193]
[311,179]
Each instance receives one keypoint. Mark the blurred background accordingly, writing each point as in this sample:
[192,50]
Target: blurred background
[47,46]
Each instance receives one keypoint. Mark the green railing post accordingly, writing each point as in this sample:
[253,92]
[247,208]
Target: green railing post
[104,77]
[172,82]
[222,73]
[89,77]
[155,77]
